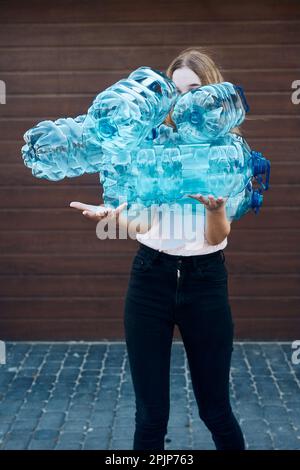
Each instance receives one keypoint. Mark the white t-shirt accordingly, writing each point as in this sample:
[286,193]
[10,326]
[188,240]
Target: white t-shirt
[179,232]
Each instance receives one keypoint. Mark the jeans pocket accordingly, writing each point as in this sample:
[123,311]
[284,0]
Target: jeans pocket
[141,263]
[215,271]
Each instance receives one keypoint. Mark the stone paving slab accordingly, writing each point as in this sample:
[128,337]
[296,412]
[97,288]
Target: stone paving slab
[79,395]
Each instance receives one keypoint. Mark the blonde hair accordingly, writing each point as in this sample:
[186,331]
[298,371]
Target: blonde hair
[202,65]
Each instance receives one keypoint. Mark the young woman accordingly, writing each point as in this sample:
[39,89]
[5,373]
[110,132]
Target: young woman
[183,281]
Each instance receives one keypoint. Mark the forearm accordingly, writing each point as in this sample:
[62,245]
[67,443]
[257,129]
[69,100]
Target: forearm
[217,226]
[135,224]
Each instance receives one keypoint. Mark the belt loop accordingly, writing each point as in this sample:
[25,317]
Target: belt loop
[223,256]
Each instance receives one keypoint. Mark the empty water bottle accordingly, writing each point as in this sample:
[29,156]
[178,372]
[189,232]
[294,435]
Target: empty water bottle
[221,168]
[239,205]
[171,173]
[59,149]
[210,111]
[125,113]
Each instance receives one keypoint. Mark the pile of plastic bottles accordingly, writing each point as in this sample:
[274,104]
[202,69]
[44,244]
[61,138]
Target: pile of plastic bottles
[141,160]
[119,118]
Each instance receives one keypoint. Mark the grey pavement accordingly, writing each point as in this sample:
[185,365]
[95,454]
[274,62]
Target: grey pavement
[79,395]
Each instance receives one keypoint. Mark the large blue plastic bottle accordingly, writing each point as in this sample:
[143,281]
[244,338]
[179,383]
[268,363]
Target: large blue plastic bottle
[125,113]
[208,112]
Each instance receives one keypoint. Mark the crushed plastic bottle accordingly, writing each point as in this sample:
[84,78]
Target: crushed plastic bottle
[208,112]
[59,149]
[249,199]
[125,112]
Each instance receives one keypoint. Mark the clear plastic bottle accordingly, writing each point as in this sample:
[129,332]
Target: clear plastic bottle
[59,149]
[125,113]
[208,112]
[239,205]
[222,167]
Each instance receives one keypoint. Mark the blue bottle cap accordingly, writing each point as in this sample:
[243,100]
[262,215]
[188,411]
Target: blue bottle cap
[256,200]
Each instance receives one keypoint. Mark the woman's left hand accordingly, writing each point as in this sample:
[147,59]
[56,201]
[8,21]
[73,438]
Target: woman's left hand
[211,203]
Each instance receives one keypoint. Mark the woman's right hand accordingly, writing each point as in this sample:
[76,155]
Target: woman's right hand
[98,213]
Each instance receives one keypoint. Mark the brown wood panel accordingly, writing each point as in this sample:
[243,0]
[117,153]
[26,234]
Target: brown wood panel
[277,149]
[66,308]
[152,33]
[76,263]
[55,57]
[19,174]
[269,329]
[131,57]
[63,330]
[62,285]
[71,11]
[59,196]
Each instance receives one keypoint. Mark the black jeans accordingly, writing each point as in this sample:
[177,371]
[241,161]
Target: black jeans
[190,291]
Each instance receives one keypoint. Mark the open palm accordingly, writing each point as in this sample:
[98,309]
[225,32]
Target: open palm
[211,203]
[98,213]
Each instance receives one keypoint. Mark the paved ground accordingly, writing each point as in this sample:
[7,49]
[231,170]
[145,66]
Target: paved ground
[80,396]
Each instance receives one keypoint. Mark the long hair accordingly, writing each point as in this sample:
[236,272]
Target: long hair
[202,65]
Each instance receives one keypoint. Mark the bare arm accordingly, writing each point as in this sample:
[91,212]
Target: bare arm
[217,226]
[134,224]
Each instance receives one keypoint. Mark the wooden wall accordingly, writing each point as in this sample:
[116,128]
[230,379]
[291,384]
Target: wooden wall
[57,279]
